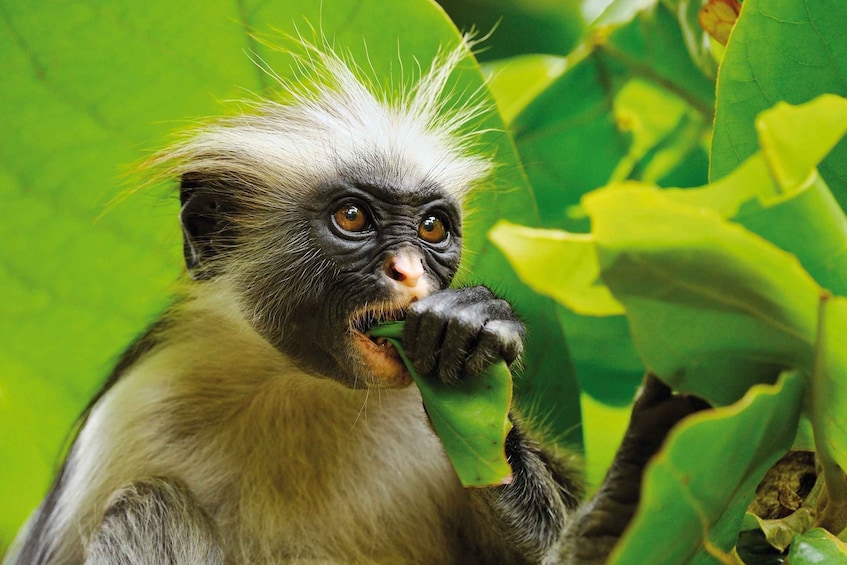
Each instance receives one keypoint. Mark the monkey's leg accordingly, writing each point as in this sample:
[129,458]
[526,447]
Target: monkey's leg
[155,521]
[599,524]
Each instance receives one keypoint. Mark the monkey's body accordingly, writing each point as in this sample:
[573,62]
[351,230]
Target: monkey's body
[258,421]
[288,465]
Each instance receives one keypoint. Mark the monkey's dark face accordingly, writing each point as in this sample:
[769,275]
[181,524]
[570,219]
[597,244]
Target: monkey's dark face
[317,274]
[388,246]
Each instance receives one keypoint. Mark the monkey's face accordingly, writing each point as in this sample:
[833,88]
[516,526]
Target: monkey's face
[381,247]
[315,274]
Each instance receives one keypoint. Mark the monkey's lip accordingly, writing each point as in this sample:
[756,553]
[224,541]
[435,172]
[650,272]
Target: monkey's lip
[378,353]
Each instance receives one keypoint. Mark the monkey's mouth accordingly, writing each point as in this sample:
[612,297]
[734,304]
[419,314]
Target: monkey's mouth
[378,354]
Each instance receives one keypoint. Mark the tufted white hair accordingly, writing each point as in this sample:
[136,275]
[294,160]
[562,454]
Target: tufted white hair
[332,117]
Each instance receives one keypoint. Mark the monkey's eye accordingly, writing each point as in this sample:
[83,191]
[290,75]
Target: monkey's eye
[432,230]
[351,218]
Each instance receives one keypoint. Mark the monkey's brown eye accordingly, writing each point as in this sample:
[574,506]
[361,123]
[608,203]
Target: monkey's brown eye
[432,230]
[351,218]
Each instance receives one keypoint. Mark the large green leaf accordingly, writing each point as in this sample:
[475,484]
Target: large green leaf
[560,264]
[93,88]
[705,298]
[828,406]
[789,50]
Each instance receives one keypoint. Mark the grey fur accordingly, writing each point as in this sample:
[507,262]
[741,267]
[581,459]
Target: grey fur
[155,521]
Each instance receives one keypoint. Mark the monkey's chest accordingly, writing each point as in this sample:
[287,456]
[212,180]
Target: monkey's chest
[379,489]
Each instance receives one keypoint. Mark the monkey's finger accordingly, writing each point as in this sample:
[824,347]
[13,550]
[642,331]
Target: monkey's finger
[411,330]
[460,339]
[428,341]
[499,340]
[511,338]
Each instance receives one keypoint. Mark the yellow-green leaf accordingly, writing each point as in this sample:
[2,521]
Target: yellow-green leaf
[557,263]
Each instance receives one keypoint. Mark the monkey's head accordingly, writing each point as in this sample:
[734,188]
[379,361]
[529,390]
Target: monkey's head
[332,211]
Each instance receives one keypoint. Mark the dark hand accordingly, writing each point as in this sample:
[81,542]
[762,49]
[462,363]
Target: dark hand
[458,332]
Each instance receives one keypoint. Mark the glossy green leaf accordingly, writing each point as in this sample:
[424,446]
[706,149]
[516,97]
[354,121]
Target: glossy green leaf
[786,50]
[829,391]
[794,139]
[817,546]
[698,488]
[471,418]
[703,296]
[663,129]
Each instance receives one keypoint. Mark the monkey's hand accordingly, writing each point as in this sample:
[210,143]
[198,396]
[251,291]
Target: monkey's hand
[458,332]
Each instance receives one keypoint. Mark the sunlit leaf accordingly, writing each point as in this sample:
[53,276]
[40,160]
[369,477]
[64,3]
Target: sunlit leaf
[829,382]
[662,126]
[704,297]
[559,264]
[794,139]
[516,81]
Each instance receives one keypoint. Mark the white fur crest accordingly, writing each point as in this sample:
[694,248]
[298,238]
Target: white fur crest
[334,118]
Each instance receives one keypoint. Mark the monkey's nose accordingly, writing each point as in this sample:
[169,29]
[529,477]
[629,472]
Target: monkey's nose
[405,267]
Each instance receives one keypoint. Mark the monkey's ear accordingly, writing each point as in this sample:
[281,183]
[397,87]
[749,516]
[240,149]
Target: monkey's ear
[205,227]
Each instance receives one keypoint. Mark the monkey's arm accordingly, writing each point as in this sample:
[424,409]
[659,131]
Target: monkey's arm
[157,522]
[523,520]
